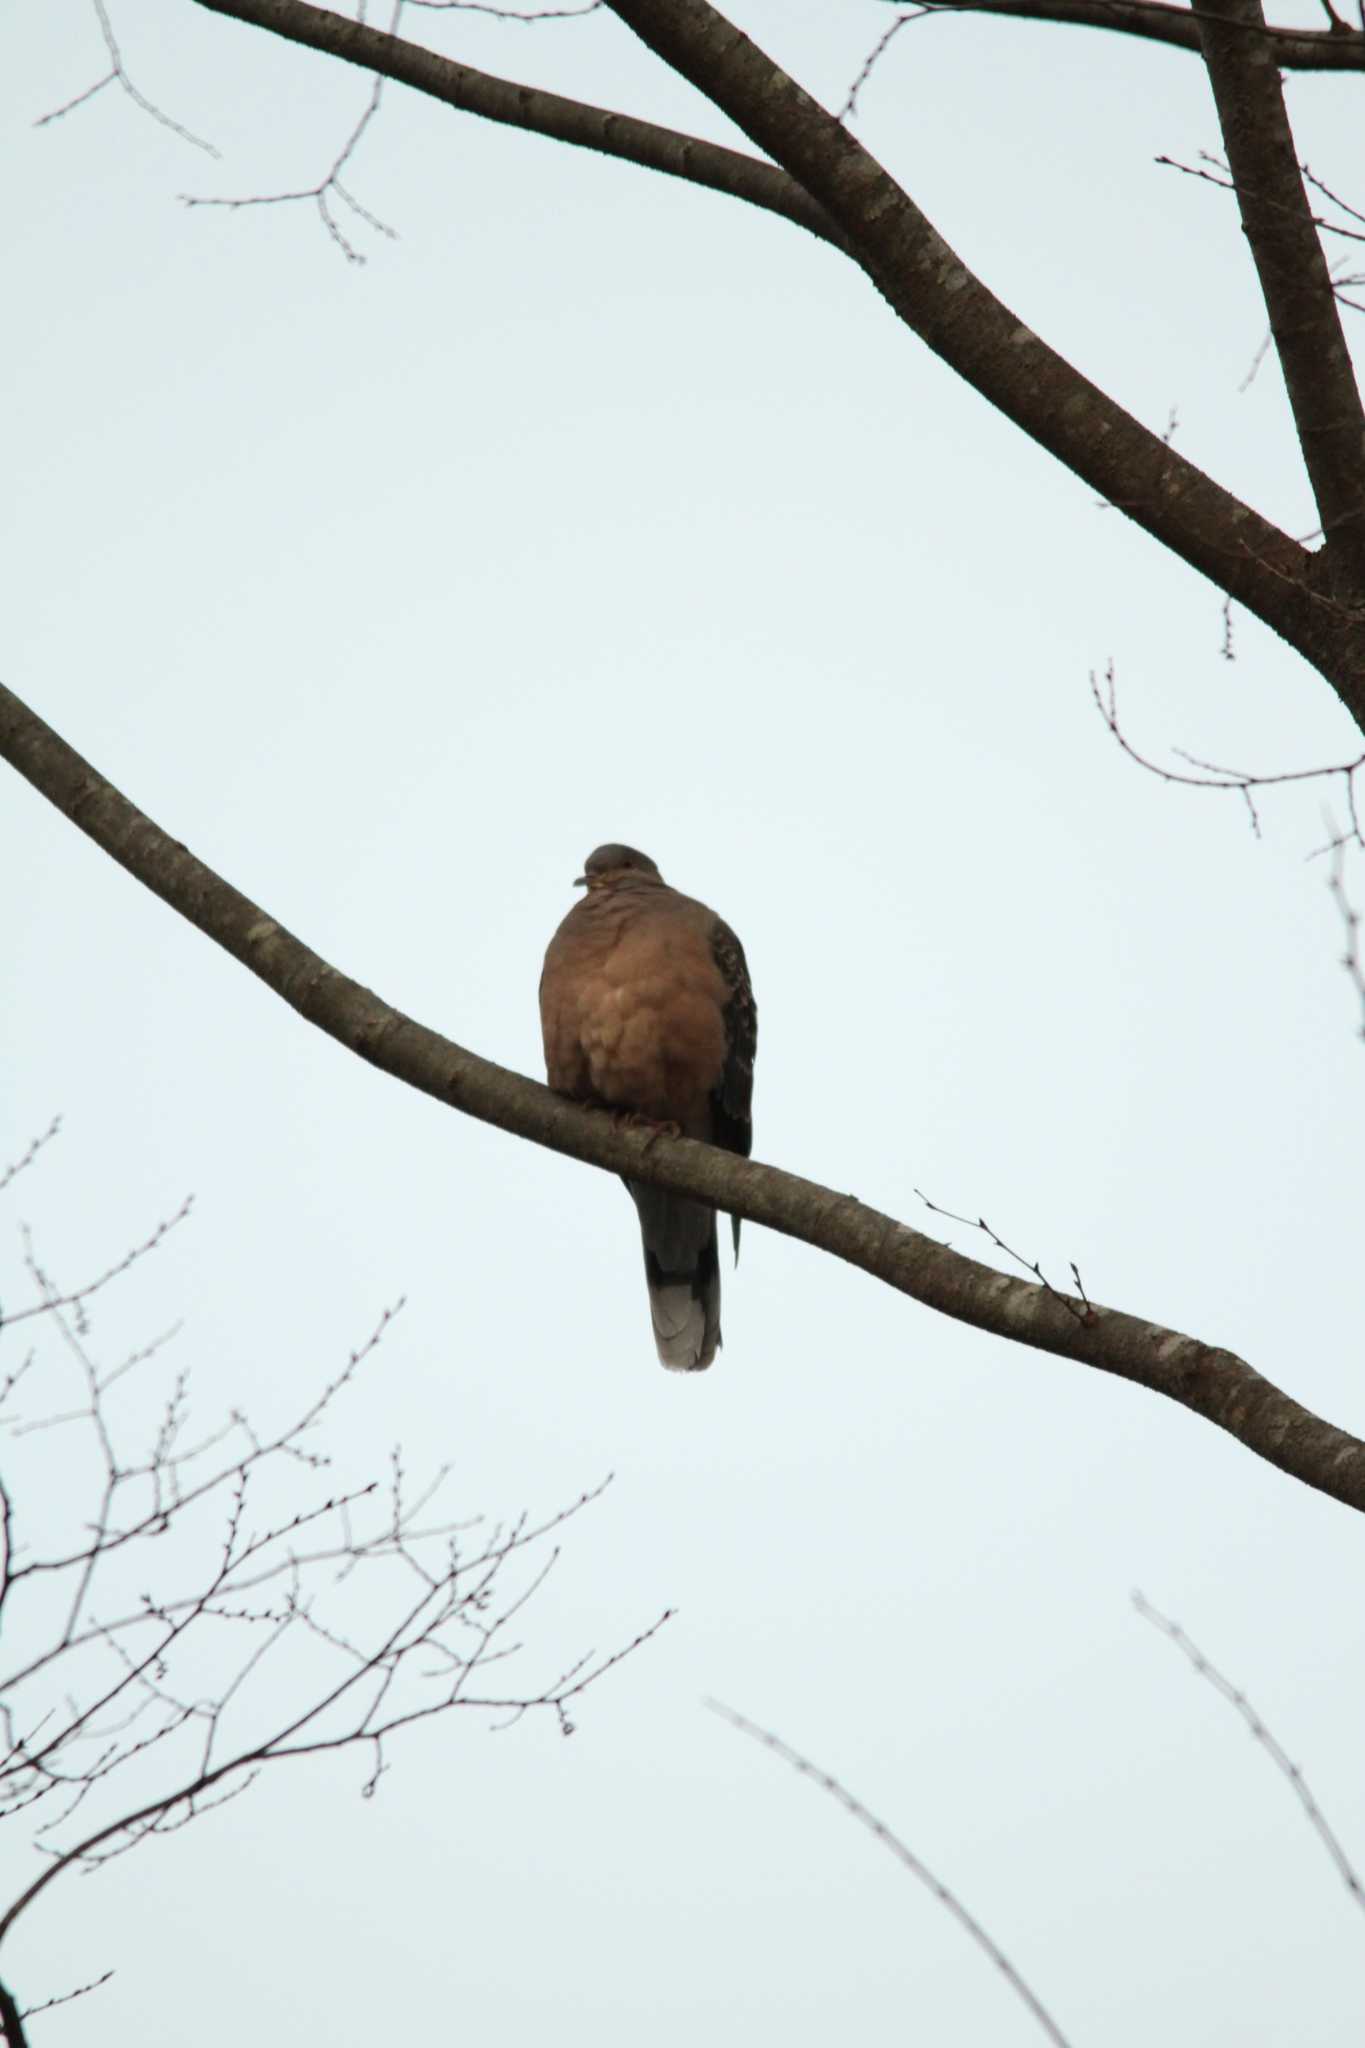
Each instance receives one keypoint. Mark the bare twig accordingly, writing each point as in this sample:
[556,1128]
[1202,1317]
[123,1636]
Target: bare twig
[110,1628]
[35,1147]
[1083,1311]
[328,185]
[1177,26]
[874,58]
[1319,185]
[67,1997]
[529,15]
[118,75]
[914,1864]
[1284,237]
[1212,775]
[1260,1733]
[1220,176]
[51,1297]
[1350,921]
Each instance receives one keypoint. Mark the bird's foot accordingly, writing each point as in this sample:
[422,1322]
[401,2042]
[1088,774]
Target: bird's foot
[635,1120]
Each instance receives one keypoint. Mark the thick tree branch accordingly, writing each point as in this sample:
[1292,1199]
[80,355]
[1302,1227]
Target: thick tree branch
[1323,49]
[542,113]
[1296,284]
[1212,1382]
[11,2021]
[929,286]
[828,184]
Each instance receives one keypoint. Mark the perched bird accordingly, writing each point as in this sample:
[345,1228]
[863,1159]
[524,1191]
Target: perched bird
[646,1008]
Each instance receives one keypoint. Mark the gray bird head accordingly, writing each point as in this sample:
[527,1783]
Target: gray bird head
[610,864]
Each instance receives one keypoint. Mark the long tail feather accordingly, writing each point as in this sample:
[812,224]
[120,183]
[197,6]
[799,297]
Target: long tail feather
[682,1271]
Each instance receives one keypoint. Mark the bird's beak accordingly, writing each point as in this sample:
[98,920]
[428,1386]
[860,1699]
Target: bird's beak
[580,881]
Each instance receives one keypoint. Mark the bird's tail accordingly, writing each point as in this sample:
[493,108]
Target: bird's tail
[682,1270]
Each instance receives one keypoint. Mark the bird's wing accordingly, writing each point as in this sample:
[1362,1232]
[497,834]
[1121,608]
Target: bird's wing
[732,1099]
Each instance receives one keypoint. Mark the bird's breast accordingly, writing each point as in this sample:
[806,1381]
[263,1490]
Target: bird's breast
[641,1020]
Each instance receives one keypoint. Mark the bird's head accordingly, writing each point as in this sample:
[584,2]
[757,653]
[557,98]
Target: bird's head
[612,864]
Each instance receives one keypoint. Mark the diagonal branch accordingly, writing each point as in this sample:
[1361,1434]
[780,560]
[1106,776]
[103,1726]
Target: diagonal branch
[979,337]
[1296,284]
[1320,49]
[832,187]
[541,113]
[904,1855]
[1213,1383]
[11,2021]
[1271,1744]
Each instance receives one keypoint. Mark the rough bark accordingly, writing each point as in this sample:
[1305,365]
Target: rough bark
[1209,1381]
[1338,48]
[11,2021]
[469,91]
[1305,318]
[928,285]
[823,179]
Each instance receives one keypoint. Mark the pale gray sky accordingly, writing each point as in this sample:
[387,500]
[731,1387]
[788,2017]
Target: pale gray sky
[597,507]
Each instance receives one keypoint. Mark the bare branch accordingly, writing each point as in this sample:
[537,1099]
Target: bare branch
[527,15]
[1210,1381]
[1230,781]
[1335,198]
[1350,922]
[1295,284]
[984,341]
[331,183]
[249,1570]
[875,55]
[35,1147]
[830,186]
[611,134]
[1219,175]
[907,1856]
[77,1296]
[68,1997]
[1082,1309]
[319,193]
[118,75]
[1338,48]
[1260,1733]
[11,2021]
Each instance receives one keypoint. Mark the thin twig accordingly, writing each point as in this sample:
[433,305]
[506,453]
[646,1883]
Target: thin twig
[905,1855]
[874,58]
[509,13]
[1225,183]
[35,1147]
[318,193]
[76,1297]
[1260,1733]
[107,1732]
[118,75]
[1084,1314]
[66,1997]
[1350,920]
[1213,775]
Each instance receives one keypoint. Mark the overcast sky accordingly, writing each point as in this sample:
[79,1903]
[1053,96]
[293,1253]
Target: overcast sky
[595,507]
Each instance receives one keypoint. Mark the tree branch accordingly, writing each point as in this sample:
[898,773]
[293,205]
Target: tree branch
[1259,1732]
[1324,49]
[1295,281]
[932,290]
[1213,1383]
[11,2021]
[460,86]
[829,185]
[904,1855]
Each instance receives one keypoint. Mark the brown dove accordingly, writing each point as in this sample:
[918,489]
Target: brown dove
[646,1008]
